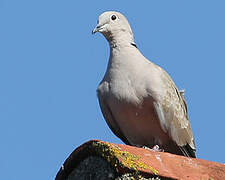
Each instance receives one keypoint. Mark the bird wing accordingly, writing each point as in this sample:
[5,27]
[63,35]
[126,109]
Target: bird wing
[108,115]
[172,113]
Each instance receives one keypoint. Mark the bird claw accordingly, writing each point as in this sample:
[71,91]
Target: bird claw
[145,147]
[155,148]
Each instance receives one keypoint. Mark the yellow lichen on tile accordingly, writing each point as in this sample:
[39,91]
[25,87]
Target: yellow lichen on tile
[112,152]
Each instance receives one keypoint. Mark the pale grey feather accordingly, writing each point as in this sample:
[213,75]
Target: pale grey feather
[139,100]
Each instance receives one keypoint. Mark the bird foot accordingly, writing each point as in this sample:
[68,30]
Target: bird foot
[155,148]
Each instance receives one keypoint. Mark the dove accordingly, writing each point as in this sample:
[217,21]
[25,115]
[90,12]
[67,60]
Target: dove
[138,99]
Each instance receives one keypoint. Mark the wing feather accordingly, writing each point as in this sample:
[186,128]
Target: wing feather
[172,112]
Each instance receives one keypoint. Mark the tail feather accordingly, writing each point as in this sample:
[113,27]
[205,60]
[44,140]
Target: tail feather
[188,151]
[173,148]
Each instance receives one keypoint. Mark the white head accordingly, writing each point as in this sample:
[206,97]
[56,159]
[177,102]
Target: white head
[115,27]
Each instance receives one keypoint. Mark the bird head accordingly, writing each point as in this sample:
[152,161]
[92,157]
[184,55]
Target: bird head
[114,26]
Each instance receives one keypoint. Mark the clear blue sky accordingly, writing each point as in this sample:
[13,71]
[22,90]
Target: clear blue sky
[50,66]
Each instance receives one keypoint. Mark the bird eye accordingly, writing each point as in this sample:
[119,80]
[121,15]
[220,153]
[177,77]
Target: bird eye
[113,17]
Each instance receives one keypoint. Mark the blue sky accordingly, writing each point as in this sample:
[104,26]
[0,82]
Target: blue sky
[50,66]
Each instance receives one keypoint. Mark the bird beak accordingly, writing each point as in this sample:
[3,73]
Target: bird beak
[96,29]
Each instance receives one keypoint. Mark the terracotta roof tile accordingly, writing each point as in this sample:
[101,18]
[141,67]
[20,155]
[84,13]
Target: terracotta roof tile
[127,159]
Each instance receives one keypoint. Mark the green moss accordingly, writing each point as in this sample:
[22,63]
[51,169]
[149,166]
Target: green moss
[112,153]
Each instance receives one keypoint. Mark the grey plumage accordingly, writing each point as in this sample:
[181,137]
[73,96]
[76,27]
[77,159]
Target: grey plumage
[139,101]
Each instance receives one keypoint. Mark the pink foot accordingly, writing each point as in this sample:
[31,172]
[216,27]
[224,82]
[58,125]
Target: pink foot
[155,148]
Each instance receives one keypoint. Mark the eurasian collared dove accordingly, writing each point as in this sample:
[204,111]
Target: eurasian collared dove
[139,100]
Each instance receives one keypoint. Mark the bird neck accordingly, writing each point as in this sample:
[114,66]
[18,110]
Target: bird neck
[121,44]
[121,53]
[121,39]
